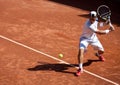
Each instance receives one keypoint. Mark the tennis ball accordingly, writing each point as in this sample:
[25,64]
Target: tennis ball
[60,55]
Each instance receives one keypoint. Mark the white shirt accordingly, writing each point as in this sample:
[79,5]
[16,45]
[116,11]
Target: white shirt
[89,30]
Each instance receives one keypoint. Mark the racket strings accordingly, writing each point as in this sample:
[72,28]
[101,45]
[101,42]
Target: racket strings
[104,12]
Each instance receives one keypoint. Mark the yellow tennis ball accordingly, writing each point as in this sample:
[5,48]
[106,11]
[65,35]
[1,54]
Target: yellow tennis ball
[60,55]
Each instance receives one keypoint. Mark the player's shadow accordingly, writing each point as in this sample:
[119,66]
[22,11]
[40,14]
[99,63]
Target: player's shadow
[52,67]
[63,68]
[89,62]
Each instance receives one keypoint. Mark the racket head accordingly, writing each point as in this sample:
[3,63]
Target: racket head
[104,12]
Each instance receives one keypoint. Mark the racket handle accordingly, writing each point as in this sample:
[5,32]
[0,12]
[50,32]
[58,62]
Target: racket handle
[108,21]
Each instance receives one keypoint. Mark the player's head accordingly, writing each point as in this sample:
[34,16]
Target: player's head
[93,15]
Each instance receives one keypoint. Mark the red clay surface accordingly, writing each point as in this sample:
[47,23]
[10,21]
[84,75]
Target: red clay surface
[52,27]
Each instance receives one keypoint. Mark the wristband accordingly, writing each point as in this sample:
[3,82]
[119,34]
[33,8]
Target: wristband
[107,31]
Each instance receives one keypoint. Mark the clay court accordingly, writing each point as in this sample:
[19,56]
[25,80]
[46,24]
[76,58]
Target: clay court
[34,32]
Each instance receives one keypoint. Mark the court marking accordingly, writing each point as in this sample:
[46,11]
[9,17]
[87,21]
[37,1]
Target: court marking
[30,48]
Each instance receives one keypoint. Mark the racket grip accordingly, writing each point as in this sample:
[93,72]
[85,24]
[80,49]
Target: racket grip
[108,17]
[108,21]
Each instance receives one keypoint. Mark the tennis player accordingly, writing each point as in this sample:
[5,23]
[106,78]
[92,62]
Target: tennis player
[89,37]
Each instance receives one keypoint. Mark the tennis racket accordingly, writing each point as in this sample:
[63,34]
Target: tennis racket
[104,12]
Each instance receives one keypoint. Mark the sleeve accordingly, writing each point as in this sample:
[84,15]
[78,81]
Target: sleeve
[93,26]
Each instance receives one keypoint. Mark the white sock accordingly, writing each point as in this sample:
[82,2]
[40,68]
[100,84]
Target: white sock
[80,65]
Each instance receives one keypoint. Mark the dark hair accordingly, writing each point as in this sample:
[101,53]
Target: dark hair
[92,15]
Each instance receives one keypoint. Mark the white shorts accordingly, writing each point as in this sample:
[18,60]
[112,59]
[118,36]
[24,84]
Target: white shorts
[84,42]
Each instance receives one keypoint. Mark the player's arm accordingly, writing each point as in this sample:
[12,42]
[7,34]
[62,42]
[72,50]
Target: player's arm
[111,28]
[102,31]
[103,23]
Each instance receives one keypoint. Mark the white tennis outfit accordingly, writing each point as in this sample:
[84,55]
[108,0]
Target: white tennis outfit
[89,36]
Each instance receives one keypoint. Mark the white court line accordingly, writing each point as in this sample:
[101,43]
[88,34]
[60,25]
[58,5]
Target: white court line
[25,46]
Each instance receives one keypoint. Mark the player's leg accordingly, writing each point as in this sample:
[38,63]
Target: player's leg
[100,55]
[80,61]
[82,48]
[98,46]
[100,52]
